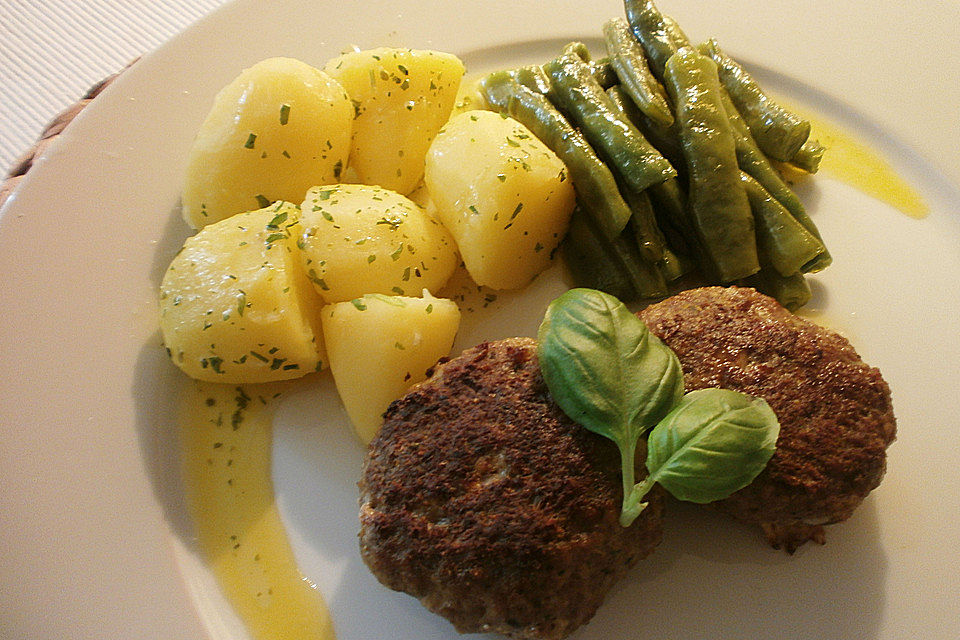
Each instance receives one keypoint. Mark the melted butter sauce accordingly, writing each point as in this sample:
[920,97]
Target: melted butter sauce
[226,435]
[855,163]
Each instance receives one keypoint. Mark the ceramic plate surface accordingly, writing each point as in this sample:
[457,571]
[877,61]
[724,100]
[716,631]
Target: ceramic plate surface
[96,542]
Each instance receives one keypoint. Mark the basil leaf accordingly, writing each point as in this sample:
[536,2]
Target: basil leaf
[714,442]
[607,372]
[604,367]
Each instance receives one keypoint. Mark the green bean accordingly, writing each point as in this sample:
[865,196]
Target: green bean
[755,164]
[591,261]
[784,241]
[674,266]
[718,203]
[578,49]
[666,140]
[779,133]
[808,156]
[791,291]
[533,78]
[671,199]
[670,203]
[630,64]
[659,35]
[675,33]
[650,240]
[614,266]
[604,73]
[595,185]
[576,93]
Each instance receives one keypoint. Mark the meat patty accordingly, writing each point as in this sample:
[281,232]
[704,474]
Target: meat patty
[836,417]
[483,500]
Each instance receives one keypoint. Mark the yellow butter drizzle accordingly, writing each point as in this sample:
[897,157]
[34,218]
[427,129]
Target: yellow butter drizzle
[226,438]
[855,163]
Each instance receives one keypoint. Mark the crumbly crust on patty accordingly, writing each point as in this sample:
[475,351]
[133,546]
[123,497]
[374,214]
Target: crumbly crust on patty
[835,411]
[483,500]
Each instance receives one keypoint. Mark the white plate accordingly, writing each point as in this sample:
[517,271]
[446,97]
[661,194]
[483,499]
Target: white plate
[96,544]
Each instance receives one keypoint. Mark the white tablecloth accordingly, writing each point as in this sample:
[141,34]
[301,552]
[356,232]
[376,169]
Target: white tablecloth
[52,51]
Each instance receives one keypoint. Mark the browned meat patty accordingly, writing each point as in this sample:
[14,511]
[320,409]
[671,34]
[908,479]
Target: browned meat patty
[836,418]
[483,500]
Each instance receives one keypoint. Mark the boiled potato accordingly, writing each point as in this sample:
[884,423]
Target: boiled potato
[503,195]
[469,98]
[359,239]
[380,345]
[281,127]
[235,305]
[403,97]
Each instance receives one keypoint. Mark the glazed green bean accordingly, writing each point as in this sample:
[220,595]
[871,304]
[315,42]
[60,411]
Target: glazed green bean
[791,291]
[591,262]
[808,156]
[669,197]
[660,36]
[755,164]
[670,203]
[675,33]
[578,49]
[674,266]
[779,133]
[718,203]
[650,240]
[630,64]
[576,93]
[614,266]
[666,140]
[604,73]
[533,78]
[595,185]
[784,241]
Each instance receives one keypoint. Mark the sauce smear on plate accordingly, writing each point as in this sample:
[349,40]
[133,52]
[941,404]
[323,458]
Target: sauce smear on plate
[855,163]
[226,439]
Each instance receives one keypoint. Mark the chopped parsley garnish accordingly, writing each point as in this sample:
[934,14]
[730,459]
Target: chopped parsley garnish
[277,220]
[393,222]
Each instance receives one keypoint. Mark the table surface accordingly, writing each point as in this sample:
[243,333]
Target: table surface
[52,51]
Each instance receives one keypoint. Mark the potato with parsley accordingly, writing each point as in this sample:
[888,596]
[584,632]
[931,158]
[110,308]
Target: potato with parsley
[359,239]
[279,128]
[235,305]
[402,97]
[503,195]
[378,346]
